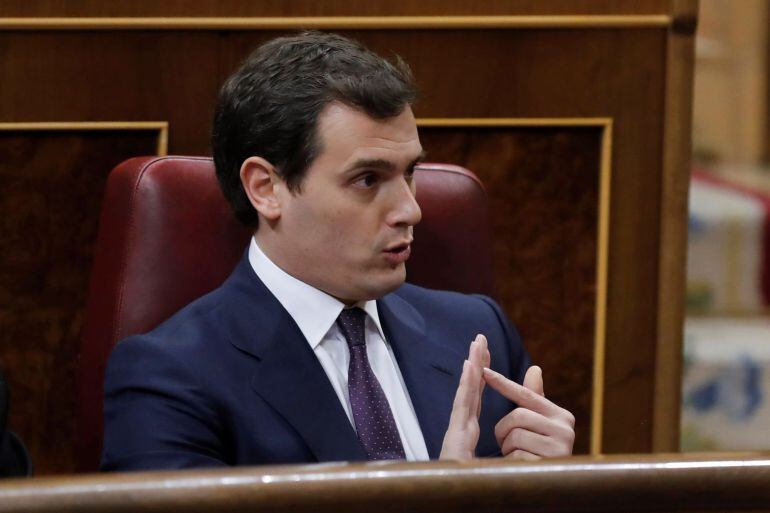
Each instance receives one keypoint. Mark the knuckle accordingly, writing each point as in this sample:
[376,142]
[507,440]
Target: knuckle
[517,436]
[528,394]
[562,446]
[500,431]
[556,448]
[529,416]
[562,449]
[507,447]
[511,441]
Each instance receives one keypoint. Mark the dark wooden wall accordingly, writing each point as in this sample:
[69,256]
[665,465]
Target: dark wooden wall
[543,106]
[51,183]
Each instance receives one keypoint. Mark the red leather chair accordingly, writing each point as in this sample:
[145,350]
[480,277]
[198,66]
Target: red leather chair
[167,236]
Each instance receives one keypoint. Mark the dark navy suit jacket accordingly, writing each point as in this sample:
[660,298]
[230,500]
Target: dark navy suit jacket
[230,379]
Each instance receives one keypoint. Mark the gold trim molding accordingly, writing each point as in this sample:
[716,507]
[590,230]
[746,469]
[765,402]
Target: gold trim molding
[160,126]
[602,250]
[341,22]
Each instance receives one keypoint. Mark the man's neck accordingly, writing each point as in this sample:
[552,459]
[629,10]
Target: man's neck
[272,252]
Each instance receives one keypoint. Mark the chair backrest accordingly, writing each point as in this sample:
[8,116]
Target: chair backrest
[167,236]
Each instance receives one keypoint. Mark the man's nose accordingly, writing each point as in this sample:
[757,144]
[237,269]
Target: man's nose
[406,211]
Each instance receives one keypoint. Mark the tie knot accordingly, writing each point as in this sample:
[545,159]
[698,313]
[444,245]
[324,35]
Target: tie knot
[351,323]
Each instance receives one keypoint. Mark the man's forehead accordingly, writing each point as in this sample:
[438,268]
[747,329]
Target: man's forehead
[353,134]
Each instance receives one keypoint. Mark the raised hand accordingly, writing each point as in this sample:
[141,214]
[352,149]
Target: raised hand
[462,435]
[536,429]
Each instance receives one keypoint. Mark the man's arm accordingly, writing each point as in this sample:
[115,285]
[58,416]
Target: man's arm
[155,414]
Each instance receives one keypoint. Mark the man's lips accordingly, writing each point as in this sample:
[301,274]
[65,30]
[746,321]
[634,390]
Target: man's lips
[398,254]
[398,246]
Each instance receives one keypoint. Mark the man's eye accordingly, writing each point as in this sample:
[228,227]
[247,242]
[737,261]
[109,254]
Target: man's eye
[409,175]
[368,180]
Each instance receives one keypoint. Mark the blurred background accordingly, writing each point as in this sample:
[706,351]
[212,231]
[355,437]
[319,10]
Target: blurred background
[726,376]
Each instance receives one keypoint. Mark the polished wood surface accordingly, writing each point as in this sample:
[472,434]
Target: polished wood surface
[634,75]
[673,231]
[642,484]
[337,22]
[235,8]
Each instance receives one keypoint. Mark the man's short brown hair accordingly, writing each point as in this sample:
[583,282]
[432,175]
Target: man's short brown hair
[270,106]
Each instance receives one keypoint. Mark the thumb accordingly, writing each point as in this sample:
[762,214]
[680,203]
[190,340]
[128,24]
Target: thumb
[533,380]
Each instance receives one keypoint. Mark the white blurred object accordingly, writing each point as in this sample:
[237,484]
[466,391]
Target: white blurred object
[726,384]
[725,251]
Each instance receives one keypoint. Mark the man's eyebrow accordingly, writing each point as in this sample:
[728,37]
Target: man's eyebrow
[419,159]
[370,164]
[383,164]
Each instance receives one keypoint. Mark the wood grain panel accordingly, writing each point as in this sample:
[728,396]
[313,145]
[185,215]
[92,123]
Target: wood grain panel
[673,241]
[543,186]
[52,183]
[128,76]
[313,8]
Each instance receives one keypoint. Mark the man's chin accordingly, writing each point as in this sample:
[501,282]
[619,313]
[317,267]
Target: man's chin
[393,283]
[376,289]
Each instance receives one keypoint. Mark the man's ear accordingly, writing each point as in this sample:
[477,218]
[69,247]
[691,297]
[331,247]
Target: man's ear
[259,179]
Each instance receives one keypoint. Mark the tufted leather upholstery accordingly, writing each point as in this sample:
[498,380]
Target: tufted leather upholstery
[167,236]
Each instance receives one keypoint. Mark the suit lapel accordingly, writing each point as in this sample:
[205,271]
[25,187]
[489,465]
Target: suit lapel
[288,375]
[431,371]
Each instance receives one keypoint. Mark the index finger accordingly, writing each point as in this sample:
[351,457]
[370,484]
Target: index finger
[467,396]
[520,395]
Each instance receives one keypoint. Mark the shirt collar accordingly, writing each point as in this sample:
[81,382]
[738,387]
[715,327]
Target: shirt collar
[314,311]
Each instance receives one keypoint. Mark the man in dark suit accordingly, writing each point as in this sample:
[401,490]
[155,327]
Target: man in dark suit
[314,349]
[14,458]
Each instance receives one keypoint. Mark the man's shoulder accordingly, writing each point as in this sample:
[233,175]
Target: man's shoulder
[193,346]
[453,319]
[184,332]
[196,319]
[442,299]
[194,329]
[206,317]
[457,306]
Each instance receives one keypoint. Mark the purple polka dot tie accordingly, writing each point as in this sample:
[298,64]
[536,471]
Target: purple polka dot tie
[371,412]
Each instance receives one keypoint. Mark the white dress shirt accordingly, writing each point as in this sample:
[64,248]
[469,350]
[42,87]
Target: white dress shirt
[316,312]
